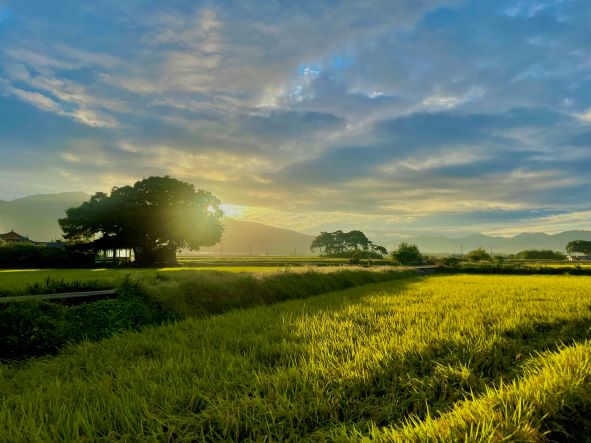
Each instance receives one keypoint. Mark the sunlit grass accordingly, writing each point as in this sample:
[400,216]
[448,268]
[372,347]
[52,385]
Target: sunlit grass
[349,365]
[17,282]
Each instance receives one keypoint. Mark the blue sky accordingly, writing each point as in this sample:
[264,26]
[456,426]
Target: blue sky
[394,116]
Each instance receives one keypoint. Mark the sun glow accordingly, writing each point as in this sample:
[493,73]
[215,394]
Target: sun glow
[232,210]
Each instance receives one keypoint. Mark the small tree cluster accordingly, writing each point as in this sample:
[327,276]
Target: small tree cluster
[341,243]
[544,254]
[579,247]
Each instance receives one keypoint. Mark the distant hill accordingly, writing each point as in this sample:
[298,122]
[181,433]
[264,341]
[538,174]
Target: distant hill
[36,217]
[244,237]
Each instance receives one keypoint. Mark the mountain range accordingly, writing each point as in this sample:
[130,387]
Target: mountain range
[36,217]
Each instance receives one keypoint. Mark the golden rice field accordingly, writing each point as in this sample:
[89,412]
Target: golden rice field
[439,358]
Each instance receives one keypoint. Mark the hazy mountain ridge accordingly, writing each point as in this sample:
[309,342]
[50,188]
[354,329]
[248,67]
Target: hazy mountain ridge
[556,242]
[36,216]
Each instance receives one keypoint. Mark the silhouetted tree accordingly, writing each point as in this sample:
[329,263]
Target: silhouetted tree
[356,240]
[544,254]
[155,217]
[378,249]
[579,247]
[322,241]
[407,254]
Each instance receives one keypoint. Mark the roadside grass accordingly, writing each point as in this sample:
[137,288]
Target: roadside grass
[348,365]
[33,328]
[47,281]
[214,292]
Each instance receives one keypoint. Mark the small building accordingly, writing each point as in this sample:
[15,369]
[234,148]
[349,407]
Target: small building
[12,238]
[119,256]
[578,258]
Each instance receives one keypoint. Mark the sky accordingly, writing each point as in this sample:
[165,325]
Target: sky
[397,117]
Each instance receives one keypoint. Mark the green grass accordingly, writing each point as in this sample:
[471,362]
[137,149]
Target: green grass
[42,281]
[382,361]
[36,328]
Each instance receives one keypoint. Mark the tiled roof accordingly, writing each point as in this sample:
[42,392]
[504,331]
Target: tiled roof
[13,236]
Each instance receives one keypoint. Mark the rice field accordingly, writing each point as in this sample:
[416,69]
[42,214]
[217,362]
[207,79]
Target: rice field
[439,358]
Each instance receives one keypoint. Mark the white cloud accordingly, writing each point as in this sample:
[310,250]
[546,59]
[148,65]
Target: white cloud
[439,101]
[36,99]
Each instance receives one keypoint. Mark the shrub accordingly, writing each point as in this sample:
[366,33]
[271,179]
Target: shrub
[478,254]
[31,255]
[407,254]
[30,329]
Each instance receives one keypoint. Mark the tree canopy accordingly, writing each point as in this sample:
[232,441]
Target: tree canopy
[543,254]
[407,254]
[341,243]
[155,217]
[582,247]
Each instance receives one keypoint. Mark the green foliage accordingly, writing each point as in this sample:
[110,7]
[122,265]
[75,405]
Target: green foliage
[478,254]
[217,292]
[579,247]
[407,254]
[156,217]
[17,256]
[345,244]
[452,262]
[381,362]
[37,328]
[544,254]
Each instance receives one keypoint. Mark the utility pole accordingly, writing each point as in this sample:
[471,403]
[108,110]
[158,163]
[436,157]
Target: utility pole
[462,249]
[295,251]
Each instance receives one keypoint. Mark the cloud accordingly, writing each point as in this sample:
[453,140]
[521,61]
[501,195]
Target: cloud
[36,99]
[397,115]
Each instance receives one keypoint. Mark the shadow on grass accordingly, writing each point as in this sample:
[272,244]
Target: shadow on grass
[429,380]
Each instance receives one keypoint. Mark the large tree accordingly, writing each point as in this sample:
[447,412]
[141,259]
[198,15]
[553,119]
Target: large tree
[579,247]
[156,217]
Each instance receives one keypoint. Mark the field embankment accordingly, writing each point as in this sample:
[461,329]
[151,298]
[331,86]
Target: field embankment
[349,365]
[35,328]
[50,281]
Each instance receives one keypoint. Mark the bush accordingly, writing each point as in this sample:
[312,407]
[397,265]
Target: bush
[478,255]
[451,262]
[30,329]
[31,255]
[407,254]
